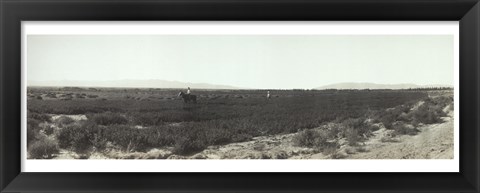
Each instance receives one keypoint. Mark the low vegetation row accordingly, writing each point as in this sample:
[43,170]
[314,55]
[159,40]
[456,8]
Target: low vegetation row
[130,125]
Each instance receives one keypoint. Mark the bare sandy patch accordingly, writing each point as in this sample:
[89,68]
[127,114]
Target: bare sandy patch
[74,117]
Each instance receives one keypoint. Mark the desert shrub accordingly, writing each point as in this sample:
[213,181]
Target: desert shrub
[156,137]
[66,135]
[442,100]
[32,136]
[99,141]
[374,127]
[51,95]
[357,130]
[82,144]
[360,126]
[312,138]
[218,136]
[130,139]
[350,150]
[82,138]
[39,116]
[352,136]
[219,132]
[338,155]
[43,148]
[389,116]
[48,129]
[429,112]
[64,120]
[108,118]
[33,124]
[425,116]
[401,128]
[185,146]
[329,148]
[33,129]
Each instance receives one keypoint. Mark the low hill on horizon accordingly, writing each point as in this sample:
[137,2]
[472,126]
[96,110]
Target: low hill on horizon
[157,83]
[365,85]
[152,83]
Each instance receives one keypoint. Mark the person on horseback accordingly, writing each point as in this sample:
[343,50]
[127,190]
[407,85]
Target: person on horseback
[188,96]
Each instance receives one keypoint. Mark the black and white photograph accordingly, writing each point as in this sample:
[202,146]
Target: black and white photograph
[240,96]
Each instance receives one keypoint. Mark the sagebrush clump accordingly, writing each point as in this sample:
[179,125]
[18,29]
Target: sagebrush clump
[108,118]
[43,148]
[405,118]
[64,120]
[82,138]
[316,138]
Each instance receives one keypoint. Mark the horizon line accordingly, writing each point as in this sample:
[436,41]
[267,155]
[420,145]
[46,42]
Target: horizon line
[225,85]
[174,88]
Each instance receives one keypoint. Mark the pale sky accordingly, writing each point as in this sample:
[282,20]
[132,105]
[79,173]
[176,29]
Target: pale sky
[248,61]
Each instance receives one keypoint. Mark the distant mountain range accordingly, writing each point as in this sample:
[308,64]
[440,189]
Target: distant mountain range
[154,83]
[354,85]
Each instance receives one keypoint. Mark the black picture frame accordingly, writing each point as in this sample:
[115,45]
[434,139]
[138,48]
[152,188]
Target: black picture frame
[12,12]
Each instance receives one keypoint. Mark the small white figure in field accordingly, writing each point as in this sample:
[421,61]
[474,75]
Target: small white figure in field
[268,94]
[188,91]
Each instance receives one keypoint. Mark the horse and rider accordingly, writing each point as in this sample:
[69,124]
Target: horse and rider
[188,97]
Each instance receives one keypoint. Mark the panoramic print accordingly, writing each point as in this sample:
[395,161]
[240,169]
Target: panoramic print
[240,97]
